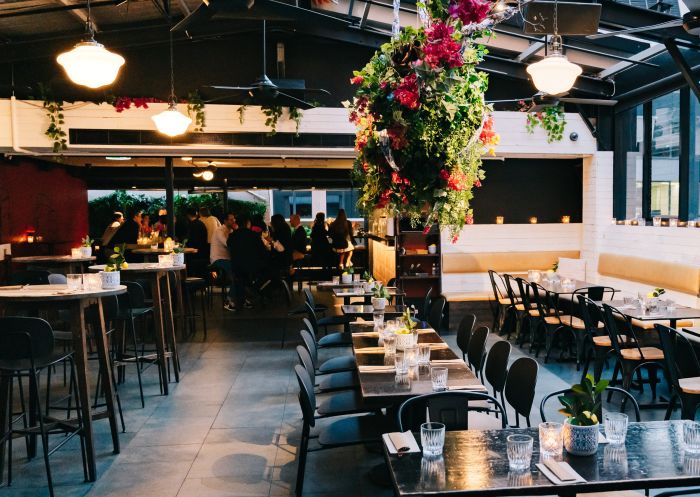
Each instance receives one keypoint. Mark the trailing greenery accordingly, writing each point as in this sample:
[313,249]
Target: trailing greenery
[273,113]
[241,113]
[551,119]
[195,109]
[295,114]
[54,112]
[582,404]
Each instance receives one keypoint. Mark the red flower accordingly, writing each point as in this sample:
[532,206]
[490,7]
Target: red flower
[360,142]
[397,134]
[469,219]
[407,92]
[469,11]
[365,167]
[384,199]
[426,230]
[441,47]
[455,238]
[477,183]
[444,174]
[357,80]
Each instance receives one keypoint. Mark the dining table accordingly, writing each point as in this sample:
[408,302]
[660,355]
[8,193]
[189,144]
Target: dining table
[475,463]
[367,311]
[672,315]
[69,263]
[151,254]
[163,315]
[34,298]
[355,292]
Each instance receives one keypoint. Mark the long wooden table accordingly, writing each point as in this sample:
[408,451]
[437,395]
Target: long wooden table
[475,464]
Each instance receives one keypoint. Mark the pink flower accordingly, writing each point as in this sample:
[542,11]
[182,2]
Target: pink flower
[469,219]
[477,183]
[469,11]
[407,92]
[357,80]
[441,47]
[444,174]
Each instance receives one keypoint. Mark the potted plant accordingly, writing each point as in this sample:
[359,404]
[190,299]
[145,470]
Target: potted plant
[368,282]
[580,406]
[179,253]
[380,297]
[111,275]
[346,277]
[86,246]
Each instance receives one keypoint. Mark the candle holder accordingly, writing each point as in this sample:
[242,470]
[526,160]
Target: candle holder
[673,222]
[533,220]
[566,219]
[499,219]
[551,438]
[656,221]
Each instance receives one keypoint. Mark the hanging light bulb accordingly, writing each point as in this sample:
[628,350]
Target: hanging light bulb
[554,74]
[208,175]
[89,63]
[171,122]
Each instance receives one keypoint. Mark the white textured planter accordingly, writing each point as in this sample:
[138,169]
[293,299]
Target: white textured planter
[346,279]
[110,279]
[179,259]
[86,251]
[378,303]
[404,340]
[580,440]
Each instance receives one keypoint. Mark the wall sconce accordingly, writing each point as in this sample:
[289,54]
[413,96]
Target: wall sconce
[566,219]
[499,219]
[533,220]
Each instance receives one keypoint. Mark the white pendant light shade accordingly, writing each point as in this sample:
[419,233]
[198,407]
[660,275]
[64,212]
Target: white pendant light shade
[90,64]
[171,122]
[208,175]
[554,74]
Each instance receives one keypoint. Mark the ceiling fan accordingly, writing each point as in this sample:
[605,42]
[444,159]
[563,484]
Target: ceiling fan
[690,21]
[266,90]
[540,100]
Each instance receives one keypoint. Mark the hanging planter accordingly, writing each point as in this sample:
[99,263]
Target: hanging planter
[551,119]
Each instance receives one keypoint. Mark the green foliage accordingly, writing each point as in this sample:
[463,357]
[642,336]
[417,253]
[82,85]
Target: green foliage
[658,292]
[179,248]
[117,259]
[295,114]
[551,119]
[367,277]
[195,109]
[273,113]
[87,241]
[582,404]
[380,292]
[54,112]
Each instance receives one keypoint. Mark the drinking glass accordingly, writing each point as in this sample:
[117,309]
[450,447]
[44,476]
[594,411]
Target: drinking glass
[410,352]
[423,354]
[615,427]
[438,376]
[656,220]
[76,253]
[75,281]
[628,301]
[671,306]
[378,320]
[551,438]
[356,277]
[691,437]
[336,280]
[400,363]
[154,246]
[165,260]
[389,344]
[432,438]
[519,448]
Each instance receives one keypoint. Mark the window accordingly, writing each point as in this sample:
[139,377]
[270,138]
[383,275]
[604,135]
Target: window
[286,202]
[665,153]
[342,199]
[632,125]
[694,173]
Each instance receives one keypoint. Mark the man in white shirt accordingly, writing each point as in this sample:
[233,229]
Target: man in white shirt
[211,222]
[220,257]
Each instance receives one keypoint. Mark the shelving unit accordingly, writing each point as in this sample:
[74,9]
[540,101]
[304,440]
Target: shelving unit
[412,257]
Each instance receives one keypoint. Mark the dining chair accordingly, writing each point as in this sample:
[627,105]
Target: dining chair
[596,342]
[545,324]
[477,349]
[625,394]
[425,311]
[333,382]
[309,297]
[335,339]
[455,409]
[496,367]
[333,365]
[436,313]
[501,300]
[464,333]
[26,350]
[683,371]
[351,430]
[57,279]
[632,356]
[519,390]
[514,310]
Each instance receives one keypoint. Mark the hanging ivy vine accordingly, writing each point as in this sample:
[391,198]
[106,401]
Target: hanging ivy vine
[296,114]
[551,119]
[241,113]
[195,109]
[54,112]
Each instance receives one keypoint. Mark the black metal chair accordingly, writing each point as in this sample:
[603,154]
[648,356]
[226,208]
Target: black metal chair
[596,343]
[501,300]
[477,349]
[496,367]
[464,333]
[425,311]
[30,277]
[335,339]
[682,370]
[27,349]
[676,493]
[437,310]
[453,408]
[333,382]
[334,365]
[351,430]
[519,390]
[195,284]
[625,394]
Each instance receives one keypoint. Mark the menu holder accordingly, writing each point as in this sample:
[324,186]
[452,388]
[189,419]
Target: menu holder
[552,468]
[398,443]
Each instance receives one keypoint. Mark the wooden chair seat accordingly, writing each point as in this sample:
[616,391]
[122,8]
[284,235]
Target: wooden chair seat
[649,325]
[690,385]
[506,301]
[602,341]
[615,493]
[570,321]
[535,313]
[521,307]
[648,353]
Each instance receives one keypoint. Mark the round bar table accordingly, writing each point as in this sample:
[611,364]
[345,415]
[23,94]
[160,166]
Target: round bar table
[151,255]
[36,297]
[162,313]
[72,264]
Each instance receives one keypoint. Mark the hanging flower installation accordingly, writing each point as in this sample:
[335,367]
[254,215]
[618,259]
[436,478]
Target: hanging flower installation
[422,123]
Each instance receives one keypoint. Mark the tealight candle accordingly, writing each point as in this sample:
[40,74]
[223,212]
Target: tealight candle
[75,253]
[533,220]
[30,238]
[673,222]
[499,219]
[566,219]
[165,260]
[551,438]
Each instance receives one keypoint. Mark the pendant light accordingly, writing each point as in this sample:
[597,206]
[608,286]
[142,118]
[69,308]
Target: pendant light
[554,74]
[89,63]
[171,122]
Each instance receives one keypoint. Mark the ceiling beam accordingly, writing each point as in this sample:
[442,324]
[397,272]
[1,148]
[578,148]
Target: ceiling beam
[682,64]
[65,7]
[80,14]
[650,52]
[534,47]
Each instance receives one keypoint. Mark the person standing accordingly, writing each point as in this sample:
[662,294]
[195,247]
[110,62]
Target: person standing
[281,249]
[211,222]
[341,235]
[111,229]
[248,258]
[129,231]
[321,250]
[146,225]
[299,238]
[220,257]
[197,235]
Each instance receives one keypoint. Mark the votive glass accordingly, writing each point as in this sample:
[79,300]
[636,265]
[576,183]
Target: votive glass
[165,260]
[629,301]
[336,280]
[76,253]
[378,320]
[356,277]
[656,221]
[519,449]
[389,344]
[551,438]
[410,352]
[74,281]
[432,438]
[438,377]
[691,437]
[615,424]
[423,354]
[400,362]
[92,281]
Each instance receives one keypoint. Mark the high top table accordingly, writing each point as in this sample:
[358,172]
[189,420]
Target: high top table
[39,297]
[73,264]
[163,317]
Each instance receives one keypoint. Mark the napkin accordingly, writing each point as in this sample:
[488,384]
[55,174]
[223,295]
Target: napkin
[397,440]
[566,473]
[370,350]
[479,388]
[376,369]
[438,362]
[369,334]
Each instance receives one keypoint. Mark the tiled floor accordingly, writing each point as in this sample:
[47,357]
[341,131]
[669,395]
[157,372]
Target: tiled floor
[231,426]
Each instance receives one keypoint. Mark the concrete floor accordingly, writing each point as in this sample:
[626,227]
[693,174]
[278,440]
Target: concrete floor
[231,426]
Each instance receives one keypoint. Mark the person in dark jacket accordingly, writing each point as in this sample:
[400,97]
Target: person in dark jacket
[341,235]
[321,251]
[299,239]
[249,257]
[129,231]
[197,235]
[281,250]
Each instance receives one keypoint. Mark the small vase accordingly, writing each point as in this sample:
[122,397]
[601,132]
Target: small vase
[346,279]
[378,303]
[86,251]
[580,440]
[179,259]
[110,279]
[404,340]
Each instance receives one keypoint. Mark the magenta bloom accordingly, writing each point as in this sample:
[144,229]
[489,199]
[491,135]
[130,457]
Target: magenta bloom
[441,48]
[469,11]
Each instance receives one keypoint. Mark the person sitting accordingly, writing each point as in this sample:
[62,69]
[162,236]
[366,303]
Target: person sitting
[321,250]
[197,235]
[129,231]
[220,257]
[111,229]
[299,238]
[161,226]
[341,235]
[281,249]
[211,222]
[248,258]
[146,228]
[257,224]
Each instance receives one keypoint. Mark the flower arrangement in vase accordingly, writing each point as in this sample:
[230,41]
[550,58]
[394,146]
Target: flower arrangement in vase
[346,276]
[380,297]
[86,246]
[116,262]
[581,407]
